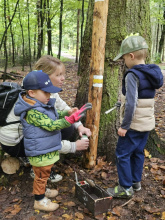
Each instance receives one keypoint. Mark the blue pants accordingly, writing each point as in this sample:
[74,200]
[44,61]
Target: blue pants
[130,157]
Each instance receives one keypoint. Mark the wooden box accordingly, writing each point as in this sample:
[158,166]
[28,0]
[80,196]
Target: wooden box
[94,198]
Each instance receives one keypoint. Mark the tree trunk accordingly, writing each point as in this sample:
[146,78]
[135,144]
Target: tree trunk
[40,19]
[23,42]
[29,36]
[96,78]
[49,30]
[5,41]
[161,42]
[60,30]
[124,17]
[84,60]
[77,44]
[82,22]
[13,45]
[35,39]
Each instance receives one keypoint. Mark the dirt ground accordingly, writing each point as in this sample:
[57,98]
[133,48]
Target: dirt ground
[16,199]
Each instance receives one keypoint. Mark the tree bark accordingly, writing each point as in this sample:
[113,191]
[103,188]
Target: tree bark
[82,23]
[77,43]
[23,41]
[13,44]
[40,19]
[5,41]
[60,29]
[49,30]
[161,42]
[29,36]
[35,40]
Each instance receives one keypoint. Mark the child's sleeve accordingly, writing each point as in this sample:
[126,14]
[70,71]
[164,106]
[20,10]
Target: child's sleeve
[131,99]
[41,120]
[62,114]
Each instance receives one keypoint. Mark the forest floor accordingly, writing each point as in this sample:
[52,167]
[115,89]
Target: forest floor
[16,199]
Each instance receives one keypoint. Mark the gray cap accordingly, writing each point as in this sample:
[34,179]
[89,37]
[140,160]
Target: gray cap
[131,44]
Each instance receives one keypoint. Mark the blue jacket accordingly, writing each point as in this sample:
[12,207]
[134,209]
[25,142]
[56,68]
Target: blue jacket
[150,78]
[38,141]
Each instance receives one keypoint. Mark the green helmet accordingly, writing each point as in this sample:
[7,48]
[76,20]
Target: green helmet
[131,44]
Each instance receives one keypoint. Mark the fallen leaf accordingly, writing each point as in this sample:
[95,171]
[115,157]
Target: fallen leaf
[58,198]
[117,210]
[163,216]
[112,218]
[163,182]
[15,200]
[153,159]
[68,170]
[104,175]
[21,173]
[155,166]
[100,162]
[150,209]
[99,217]
[138,199]
[162,167]
[37,211]
[86,211]
[48,215]
[67,217]
[71,204]
[8,209]
[16,209]
[79,215]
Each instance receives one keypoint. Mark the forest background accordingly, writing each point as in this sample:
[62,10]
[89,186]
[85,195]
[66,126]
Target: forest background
[33,28]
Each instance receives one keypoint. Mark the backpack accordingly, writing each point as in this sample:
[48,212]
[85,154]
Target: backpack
[9,92]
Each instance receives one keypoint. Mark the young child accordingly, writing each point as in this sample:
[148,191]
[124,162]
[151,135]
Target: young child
[11,136]
[138,90]
[41,128]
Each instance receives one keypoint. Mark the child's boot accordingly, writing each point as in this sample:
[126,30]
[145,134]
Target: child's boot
[51,193]
[45,205]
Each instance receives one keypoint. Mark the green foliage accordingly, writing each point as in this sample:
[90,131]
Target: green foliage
[70,8]
[157,58]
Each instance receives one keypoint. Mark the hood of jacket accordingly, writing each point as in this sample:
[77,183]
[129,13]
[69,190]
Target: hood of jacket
[152,72]
[23,106]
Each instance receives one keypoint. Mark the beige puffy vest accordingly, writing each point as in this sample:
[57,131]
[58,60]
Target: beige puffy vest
[143,119]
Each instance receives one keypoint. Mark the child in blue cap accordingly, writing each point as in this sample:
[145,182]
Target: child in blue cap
[137,114]
[42,136]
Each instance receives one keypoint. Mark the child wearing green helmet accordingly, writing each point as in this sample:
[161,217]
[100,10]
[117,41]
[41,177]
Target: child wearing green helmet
[137,114]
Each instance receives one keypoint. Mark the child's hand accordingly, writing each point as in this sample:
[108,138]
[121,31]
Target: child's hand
[72,110]
[122,132]
[82,144]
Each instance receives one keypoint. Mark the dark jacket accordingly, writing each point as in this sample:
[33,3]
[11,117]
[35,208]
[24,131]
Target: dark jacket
[150,78]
